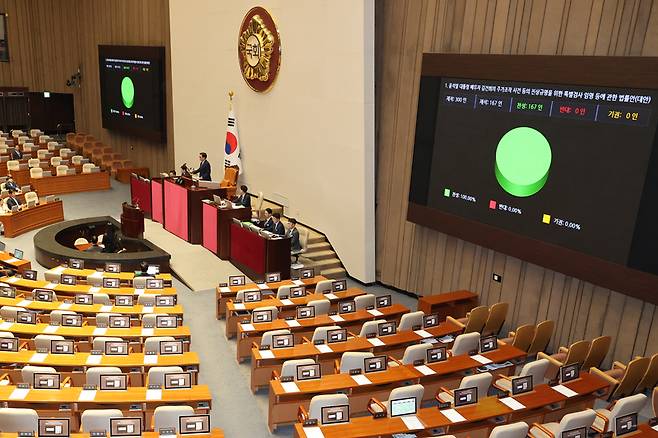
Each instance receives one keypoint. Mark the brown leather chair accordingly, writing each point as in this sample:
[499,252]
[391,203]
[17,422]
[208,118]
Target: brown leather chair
[496,319]
[650,378]
[623,379]
[543,334]
[576,353]
[522,337]
[474,321]
[598,350]
[230,181]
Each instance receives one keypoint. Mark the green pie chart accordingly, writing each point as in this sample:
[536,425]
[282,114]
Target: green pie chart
[523,160]
[127,92]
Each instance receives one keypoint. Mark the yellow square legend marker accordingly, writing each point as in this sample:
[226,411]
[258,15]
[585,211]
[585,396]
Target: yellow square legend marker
[546,219]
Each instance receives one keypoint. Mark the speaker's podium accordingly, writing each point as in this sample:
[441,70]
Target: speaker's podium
[132,221]
[182,206]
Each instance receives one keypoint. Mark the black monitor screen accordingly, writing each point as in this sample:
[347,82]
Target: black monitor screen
[386,328]
[521,385]
[626,424]
[304,312]
[580,432]
[347,307]
[465,396]
[282,341]
[308,372]
[338,335]
[54,427]
[194,424]
[569,372]
[335,414]
[375,364]
[125,426]
[437,354]
[261,316]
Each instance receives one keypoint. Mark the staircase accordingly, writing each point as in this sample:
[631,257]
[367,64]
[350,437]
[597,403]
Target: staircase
[320,256]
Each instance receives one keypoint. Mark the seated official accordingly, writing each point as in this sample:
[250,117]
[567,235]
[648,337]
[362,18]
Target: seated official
[293,233]
[110,239]
[12,201]
[268,223]
[16,154]
[278,227]
[10,184]
[204,167]
[243,197]
[143,268]
[93,244]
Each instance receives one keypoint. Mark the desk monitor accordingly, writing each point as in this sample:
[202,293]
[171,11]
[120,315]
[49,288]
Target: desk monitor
[375,364]
[261,315]
[9,344]
[430,321]
[438,354]
[113,382]
[123,300]
[625,424]
[116,348]
[154,283]
[43,295]
[335,414]
[252,296]
[347,306]
[29,274]
[18,254]
[236,280]
[69,280]
[384,301]
[403,406]
[194,424]
[336,335]
[386,328]
[125,426]
[46,380]
[71,320]
[272,277]
[62,346]
[111,283]
[304,312]
[217,199]
[84,299]
[153,269]
[26,317]
[488,343]
[178,380]
[31,204]
[297,292]
[521,385]
[165,300]
[309,372]
[112,267]
[76,263]
[119,321]
[2,246]
[465,396]
[338,285]
[7,292]
[569,372]
[307,273]
[171,347]
[166,321]
[580,432]
[54,427]
[282,341]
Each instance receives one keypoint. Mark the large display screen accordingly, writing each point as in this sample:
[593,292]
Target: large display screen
[132,90]
[570,165]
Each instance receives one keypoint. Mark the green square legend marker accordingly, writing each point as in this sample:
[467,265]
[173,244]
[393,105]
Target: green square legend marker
[446,193]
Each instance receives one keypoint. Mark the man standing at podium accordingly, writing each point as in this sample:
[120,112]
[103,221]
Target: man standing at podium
[204,167]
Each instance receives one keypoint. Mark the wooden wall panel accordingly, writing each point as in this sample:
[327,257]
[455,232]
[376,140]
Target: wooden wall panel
[424,261]
[49,39]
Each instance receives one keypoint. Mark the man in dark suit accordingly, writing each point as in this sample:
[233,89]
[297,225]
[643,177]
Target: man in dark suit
[16,154]
[12,201]
[204,167]
[10,184]
[243,198]
[278,227]
[268,223]
[293,233]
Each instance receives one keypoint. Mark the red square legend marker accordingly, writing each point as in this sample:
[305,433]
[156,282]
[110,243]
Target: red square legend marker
[492,205]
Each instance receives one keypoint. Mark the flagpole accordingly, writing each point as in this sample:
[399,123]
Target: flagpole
[230,99]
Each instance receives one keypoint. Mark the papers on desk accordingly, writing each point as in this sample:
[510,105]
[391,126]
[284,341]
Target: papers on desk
[97,274]
[19,394]
[138,291]
[453,415]
[153,394]
[247,327]
[266,354]
[12,260]
[361,379]
[512,403]
[147,309]
[106,309]
[147,332]
[289,387]
[313,432]
[287,302]
[375,312]
[324,348]
[50,286]
[225,289]
[51,329]
[446,339]
[94,289]
[6,325]
[412,422]
[99,331]
[330,296]
[293,323]
[423,333]
[336,318]
[479,358]
[427,371]
[24,303]
[94,359]
[150,359]
[65,306]
[12,280]
[564,391]
[376,342]
[655,427]
[38,357]
[87,395]
[238,306]
[298,282]
[262,286]
[58,270]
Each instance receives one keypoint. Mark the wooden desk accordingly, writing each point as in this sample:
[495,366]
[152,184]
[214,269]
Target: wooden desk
[237,312]
[22,177]
[80,182]
[223,294]
[91,331]
[63,289]
[455,304]
[82,274]
[10,262]
[140,193]
[28,219]
[392,345]
[283,405]
[305,327]
[256,255]
[479,416]
[123,174]
[217,227]
[214,433]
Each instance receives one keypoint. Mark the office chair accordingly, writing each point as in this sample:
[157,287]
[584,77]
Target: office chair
[98,419]
[93,374]
[537,369]
[605,418]
[416,391]
[481,381]
[571,421]
[167,417]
